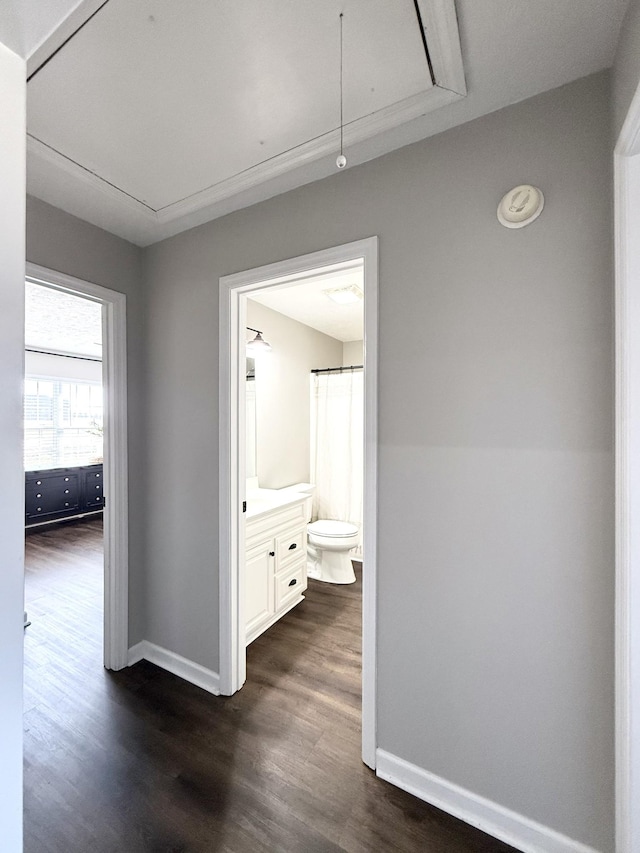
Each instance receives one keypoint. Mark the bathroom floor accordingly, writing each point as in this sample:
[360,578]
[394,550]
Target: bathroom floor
[139,760]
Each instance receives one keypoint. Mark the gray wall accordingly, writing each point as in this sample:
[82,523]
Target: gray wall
[283,395]
[69,245]
[495,424]
[626,74]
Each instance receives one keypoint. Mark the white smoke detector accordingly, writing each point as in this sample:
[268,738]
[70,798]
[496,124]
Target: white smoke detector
[520,206]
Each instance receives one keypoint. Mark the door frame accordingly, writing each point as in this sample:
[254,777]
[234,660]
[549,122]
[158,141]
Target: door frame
[116,513]
[627,340]
[232,664]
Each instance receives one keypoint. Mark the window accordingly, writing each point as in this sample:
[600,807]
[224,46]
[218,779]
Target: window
[62,423]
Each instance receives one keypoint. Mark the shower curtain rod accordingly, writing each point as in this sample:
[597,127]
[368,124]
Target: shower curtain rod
[338,369]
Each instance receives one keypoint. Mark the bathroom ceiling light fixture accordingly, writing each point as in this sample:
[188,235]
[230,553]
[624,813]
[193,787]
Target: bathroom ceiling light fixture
[257,344]
[341,160]
[344,295]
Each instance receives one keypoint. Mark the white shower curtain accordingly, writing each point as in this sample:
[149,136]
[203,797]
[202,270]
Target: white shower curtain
[337,446]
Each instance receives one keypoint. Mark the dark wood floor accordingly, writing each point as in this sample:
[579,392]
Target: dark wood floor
[142,762]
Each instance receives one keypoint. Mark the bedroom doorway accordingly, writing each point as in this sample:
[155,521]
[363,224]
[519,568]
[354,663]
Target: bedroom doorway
[76,453]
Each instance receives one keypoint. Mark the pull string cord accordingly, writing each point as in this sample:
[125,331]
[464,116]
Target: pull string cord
[341,162]
[341,90]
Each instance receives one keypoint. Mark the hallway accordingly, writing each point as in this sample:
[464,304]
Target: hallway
[141,762]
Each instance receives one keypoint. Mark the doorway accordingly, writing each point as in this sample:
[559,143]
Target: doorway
[114,476]
[232,459]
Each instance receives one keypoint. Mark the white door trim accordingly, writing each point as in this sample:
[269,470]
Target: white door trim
[116,514]
[627,319]
[232,664]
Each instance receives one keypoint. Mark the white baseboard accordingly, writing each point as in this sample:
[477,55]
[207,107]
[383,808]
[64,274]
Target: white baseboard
[192,672]
[502,823]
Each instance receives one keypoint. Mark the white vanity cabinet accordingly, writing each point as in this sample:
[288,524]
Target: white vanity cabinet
[276,563]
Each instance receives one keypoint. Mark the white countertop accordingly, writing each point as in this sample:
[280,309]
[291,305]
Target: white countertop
[261,501]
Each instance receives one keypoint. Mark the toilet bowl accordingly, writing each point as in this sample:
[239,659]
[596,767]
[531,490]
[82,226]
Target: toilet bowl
[328,546]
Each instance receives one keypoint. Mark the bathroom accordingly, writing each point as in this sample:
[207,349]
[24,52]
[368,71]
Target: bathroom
[304,443]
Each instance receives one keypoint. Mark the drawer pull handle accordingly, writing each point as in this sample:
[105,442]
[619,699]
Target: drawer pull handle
[293,581]
[66,479]
[292,546]
[66,491]
[272,553]
[38,496]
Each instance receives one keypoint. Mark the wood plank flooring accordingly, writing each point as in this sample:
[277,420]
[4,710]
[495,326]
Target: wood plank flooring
[141,762]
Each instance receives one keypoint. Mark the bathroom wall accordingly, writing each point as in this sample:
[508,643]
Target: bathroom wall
[495,534]
[352,352]
[283,393]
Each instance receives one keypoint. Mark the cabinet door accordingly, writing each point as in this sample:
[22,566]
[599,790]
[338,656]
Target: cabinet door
[259,597]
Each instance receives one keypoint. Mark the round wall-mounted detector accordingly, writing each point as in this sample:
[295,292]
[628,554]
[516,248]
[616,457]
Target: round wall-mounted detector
[520,206]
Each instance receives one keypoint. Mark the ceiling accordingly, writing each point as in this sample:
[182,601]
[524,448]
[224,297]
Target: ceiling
[307,303]
[61,322]
[159,115]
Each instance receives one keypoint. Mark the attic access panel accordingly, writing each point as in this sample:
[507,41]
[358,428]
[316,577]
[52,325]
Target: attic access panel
[170,102]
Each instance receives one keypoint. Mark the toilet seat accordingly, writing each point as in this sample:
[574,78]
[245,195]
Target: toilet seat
[332,529]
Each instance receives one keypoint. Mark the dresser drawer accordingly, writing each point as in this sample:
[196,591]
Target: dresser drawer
[290,545]
[94,494]
[290,583]
[52,494]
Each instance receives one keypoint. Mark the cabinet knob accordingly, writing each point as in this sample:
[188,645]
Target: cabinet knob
[293,582]
[272,553]
[291,547]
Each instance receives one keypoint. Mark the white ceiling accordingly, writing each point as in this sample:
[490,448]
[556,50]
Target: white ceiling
[307,303]
[159,115]
[191,94]
[61,322]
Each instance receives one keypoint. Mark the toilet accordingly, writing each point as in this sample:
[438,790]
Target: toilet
[328,543]
[328,546]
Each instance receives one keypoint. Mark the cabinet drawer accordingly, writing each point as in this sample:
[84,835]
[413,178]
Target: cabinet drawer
[290,584]
[290,545]
[46,495]
[94,494]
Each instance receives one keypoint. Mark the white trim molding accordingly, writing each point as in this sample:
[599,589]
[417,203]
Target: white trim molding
[184,668]
[627,319]
[496,820]
[116,512]
[232,470]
